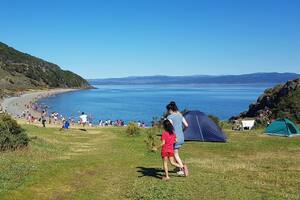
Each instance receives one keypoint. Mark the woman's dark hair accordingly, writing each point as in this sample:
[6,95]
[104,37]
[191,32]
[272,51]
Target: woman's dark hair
[168,126]
[172,106]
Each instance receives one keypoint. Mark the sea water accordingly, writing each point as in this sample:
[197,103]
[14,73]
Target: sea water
[143,102]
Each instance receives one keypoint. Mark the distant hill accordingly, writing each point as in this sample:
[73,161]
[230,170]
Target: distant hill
[19,71]
[274,78]
[277,102]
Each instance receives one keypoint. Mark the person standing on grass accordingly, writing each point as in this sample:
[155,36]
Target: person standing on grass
[178,121]
[83,119]
[43,118]
[168,139]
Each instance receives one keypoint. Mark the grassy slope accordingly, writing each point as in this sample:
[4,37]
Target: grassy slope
[21,71]
[106,164]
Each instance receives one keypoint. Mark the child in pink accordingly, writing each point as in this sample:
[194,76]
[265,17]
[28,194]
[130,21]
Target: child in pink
[168,139]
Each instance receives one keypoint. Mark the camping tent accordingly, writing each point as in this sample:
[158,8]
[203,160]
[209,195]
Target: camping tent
[201,128]
[282,127]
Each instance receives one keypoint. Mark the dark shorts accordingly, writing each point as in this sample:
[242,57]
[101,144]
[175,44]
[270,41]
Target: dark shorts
[178,145]
[167,154]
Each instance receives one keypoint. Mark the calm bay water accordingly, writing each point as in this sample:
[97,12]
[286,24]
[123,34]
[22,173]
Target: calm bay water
[143,102]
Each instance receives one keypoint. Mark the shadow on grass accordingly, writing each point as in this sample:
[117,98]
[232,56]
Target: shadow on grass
[150,171]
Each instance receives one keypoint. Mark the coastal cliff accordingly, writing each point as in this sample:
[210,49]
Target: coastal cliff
[277,102]
[21,71]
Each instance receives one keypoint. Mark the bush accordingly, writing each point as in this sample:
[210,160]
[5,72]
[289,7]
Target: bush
[260,123]
[151,137]
[215,119]
[132,129]
[12,136]
[225,125]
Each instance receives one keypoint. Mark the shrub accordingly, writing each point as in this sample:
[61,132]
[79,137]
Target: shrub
[151,137]
[132,129]
[260,123]
[215,119]
[12,136]
[225,125]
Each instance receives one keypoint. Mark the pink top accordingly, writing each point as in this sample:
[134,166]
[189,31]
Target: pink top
[169,139]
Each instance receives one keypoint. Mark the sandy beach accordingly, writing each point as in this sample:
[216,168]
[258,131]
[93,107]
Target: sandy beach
[16,105]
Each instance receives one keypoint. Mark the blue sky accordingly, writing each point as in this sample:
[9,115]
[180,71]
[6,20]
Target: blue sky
[149,37]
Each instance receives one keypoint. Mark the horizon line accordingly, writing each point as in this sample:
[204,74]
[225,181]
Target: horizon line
[211,75]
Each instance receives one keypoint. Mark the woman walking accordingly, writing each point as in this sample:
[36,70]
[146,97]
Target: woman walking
[178,122]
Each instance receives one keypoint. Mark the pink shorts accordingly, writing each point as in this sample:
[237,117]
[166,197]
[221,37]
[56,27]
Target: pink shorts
[167,154]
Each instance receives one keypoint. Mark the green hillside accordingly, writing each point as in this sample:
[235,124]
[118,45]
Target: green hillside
[277,102]
[19,71]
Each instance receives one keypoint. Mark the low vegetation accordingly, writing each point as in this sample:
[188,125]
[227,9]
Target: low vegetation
[107,164]
[132,129]
[152,140]
[12,136]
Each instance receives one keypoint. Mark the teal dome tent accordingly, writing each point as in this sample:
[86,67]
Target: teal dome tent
[283,127]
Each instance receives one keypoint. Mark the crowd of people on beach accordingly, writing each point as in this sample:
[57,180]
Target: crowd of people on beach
[55,118]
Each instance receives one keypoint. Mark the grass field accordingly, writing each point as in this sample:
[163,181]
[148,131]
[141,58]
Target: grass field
[107,164]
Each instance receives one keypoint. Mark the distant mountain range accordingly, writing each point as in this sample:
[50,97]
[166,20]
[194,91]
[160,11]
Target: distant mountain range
[21,71]
[255,78]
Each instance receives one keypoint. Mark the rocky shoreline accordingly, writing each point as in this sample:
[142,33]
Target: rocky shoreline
[277,102]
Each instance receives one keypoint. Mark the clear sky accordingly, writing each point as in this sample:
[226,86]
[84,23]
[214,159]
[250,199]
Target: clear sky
[148,37]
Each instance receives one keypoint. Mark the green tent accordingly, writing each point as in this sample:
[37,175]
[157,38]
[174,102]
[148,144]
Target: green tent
[283,127]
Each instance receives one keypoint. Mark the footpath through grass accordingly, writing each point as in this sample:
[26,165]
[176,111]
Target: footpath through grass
[106,164]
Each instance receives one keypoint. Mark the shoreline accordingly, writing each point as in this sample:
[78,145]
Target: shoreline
[15,105]
[24,108]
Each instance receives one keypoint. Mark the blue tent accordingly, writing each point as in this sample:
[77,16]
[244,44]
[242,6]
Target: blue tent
[202,128]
